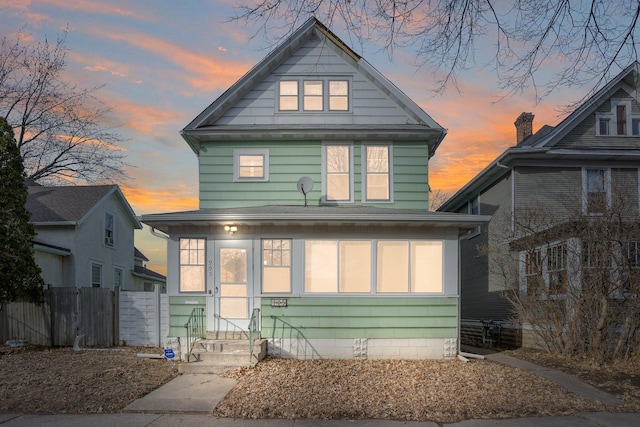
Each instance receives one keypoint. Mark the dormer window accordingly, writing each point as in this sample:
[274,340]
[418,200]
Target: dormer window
[314,95]
[619,121]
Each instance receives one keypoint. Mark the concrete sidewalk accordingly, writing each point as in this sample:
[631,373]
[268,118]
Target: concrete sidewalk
[595,419]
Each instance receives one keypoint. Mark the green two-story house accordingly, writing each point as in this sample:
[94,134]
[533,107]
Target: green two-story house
[313,213]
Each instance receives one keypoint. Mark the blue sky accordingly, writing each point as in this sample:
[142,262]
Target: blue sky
[162,62]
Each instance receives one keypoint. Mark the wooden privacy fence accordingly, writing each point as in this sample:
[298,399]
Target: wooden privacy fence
[90,313]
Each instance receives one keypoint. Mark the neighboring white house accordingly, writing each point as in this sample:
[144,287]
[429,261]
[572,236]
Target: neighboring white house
[313,220]
[85,237]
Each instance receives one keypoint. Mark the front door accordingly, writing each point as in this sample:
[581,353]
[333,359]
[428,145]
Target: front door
[233,297]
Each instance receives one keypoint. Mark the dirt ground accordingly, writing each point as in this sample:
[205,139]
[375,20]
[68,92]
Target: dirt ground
[36,380]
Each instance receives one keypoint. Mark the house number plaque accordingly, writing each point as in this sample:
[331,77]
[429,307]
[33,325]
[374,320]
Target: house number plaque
[278,302]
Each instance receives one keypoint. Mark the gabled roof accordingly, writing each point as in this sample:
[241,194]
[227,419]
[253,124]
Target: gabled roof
[204,124]
[71,205]
[145,273]
[541,145]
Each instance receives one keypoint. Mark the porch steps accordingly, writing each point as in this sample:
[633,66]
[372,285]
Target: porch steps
[214,356]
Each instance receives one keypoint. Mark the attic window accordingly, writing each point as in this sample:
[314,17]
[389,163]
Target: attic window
[109,229]
[619,121]
[317,95]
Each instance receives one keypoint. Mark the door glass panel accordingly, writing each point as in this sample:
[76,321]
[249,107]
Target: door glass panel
[233,284]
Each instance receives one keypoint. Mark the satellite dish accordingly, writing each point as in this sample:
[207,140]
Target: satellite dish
[304,186]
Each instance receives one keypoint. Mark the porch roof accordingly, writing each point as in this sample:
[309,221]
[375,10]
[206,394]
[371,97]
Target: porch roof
[313,216]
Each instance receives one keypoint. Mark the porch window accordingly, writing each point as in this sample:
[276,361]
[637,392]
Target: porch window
[557,269]
[534,280]
[377,173]
[337,168]
[276,265]
[332,266]
[348,266]
[192,265]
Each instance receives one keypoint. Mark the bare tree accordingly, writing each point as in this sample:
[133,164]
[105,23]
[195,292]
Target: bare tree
[437,198]
[576,284]
[591,40]
[60,129]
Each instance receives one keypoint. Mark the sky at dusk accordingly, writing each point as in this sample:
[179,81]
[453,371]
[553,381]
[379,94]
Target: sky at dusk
[162,62]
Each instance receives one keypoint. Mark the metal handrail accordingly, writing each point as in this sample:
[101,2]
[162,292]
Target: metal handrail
[195,328]
[254,331]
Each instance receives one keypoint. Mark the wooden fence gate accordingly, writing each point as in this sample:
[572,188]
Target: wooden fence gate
[90,313]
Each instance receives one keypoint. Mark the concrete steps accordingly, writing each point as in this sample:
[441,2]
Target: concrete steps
[214,356]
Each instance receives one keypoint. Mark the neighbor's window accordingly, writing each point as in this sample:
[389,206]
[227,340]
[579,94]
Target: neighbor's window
[338,95]
[192,265]
[251,164]
[96,275]
[337,170]
[109,229]
[534,281]
[619,121]
[377,174]
[118,275]
[596,190]
[289,95]
[312,96]
[276,265]
[557,268]
[337,266]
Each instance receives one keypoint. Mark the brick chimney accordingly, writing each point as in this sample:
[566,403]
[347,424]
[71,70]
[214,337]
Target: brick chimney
[524,126]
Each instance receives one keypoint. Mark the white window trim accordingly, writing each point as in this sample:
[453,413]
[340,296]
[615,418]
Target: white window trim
[607,189]
[290,267]
[325,79]
[264,152]
[363,161]
[544,267]
[324,172]
[207,265]
[374,267]
[104,230]
[101,265]
[612,116]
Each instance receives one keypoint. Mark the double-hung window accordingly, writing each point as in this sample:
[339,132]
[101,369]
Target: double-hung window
[251,164]
[288,97]
[557,268]
[109,229]
[596,189]
[337,161]
[96,275]
[377,175]
[276,265]
[192,265]
[338,95]
[312,95]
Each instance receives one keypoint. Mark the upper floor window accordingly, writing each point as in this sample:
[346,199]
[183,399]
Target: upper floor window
[192,262]
[109,229]
[619,121]
[251,165]
[596,189]
[321,94]
[337,161]
[377,175]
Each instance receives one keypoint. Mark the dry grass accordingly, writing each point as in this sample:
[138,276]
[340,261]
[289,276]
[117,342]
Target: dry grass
[440,391]
[38,380]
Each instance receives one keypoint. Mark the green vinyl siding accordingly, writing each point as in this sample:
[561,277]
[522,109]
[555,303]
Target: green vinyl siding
[291,160]
[354,317]
[180,308]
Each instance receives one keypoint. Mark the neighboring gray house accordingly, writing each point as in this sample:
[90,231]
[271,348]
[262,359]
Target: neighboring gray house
[85,237]
[579,167]
[313,221]
[144,278]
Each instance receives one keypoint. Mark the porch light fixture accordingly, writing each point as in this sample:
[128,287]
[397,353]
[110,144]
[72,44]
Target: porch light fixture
[231,229]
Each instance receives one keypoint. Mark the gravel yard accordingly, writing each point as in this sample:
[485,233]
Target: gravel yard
[35,380]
